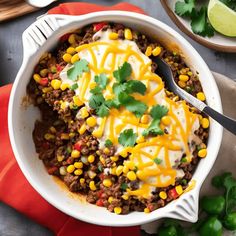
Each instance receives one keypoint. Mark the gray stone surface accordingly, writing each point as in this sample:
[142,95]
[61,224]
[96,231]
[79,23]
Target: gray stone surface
[11,222]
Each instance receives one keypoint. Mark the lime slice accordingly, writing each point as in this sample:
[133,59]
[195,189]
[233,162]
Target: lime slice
[222,18]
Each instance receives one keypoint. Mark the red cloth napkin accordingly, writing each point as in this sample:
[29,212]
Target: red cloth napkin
[15,189]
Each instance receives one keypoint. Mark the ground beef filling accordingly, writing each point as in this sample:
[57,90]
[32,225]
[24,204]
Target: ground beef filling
[75,158]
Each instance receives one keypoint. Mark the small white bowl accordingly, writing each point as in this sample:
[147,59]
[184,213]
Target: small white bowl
[41,36]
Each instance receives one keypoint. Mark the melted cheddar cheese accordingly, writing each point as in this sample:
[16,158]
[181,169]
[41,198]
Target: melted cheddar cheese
[105,56]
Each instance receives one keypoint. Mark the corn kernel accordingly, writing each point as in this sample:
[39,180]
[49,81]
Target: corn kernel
[72,39]
[84,112]
[92,185]
[205,123]
[202,153]
[119,170]
[64,86]
[56,84]
[176,98]
[114,158]
[156,51]
[117,210]
[125,196]
[78,164]
[70,168]
[97,133]
[37,78]
[125,169]
[67,57]
[91,121]
[74,58]
[163,195]
[78,172]
[123,153]
[148,51]
[65,136]
[77,101]
[128,34]
[92,85]
[131,176]
[82,129]
[102,160]
[91,158]
[181,84]
[179,189]
[70,50]
[144,119]
[106,151]
[183,78]
[107,183]
[113,170]
[141,175]
[113,36]
[62,170]
[201,96]
[110,199]
[146,210]
[166,120]
[130,165]
[200,117]
[140,139]
[49,136]
[82,181]
[60,158]
[64,105]
[71,135]
[47,89]
[43,72]
[75,153]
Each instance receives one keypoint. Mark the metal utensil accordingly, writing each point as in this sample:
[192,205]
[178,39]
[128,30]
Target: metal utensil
[40,3]
[165,71]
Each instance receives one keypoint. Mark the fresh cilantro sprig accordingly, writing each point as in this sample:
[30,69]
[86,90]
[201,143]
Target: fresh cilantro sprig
[157,112]
[77,69]
[127,138]
[199,21]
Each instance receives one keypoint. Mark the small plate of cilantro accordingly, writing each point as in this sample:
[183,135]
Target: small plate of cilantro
[191,16]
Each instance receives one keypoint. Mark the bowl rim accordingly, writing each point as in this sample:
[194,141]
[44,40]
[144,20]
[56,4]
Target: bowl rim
[95,17]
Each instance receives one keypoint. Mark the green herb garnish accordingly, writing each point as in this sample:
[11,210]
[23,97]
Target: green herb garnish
[157,112]
[124,186]
[127,138]
[157,160]
[74,86]
[108,143]
[77,69]
[101,80]
[123,72]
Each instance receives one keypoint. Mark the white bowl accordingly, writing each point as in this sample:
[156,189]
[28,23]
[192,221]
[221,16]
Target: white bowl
[41,36]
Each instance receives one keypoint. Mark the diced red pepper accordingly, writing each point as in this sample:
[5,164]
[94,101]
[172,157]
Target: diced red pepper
[98,26]
[99,202]
[50,76]
[77,146]
[52,170]
[64,37]
[43,81]
[102,176]
[150,206]
[99,194]
[69,161]
[59,67]
[172,193]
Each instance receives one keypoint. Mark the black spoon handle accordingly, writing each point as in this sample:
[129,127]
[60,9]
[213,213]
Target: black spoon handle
[227,122]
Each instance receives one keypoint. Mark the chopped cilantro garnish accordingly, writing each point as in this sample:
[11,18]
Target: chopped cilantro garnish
[184,8]
[108,143]
[135,86]
[100,168]
[96,100]
[77,69]
[74,86]
[157,112]
[103,110]
[183,160]
[127,138]
[157,160]
[101,80]
[123,72]
[124,186]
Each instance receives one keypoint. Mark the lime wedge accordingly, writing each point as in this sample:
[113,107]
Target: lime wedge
[222,18]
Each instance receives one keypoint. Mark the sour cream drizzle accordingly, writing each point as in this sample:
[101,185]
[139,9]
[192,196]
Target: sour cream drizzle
[105,56]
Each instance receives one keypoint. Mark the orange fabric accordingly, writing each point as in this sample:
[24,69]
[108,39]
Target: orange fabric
[15,189]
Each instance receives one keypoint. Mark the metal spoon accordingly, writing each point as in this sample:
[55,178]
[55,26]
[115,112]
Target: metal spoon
[165,71]
[40,3]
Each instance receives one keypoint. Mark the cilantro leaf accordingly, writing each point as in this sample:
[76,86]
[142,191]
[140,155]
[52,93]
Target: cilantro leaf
[157,112]
[74,86]
[123,72]
[96,90]
[118,88]
[200,24]
[135,86]
[96,100]
[157,160]
[124,186]
[77,69]
[101,80]
[102,110]
[108,143]
[131,104]
[184,8]
[127,138]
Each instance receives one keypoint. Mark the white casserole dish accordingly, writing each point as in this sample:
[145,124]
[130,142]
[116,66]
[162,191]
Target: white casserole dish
[41,36]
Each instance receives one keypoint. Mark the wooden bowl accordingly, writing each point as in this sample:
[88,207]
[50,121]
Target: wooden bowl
[218,42]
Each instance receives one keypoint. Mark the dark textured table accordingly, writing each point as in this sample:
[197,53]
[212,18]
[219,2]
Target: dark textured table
[11,222]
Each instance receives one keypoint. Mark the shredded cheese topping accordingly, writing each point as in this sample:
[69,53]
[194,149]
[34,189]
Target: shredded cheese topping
[105,56]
